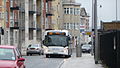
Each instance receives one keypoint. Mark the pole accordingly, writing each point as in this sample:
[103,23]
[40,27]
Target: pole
[92,27]
[116,10]
[26,26]
[96,32]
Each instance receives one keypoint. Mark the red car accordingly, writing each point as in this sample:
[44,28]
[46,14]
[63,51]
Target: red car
[10,57]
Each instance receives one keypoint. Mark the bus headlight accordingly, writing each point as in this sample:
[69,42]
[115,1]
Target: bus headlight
[65,50]
[45,49]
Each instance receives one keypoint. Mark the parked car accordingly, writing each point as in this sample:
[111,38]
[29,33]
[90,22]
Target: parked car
[10,57]
[86,48]
[34,49]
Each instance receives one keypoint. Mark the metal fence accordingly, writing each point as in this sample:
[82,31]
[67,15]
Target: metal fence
[110,48]
[118,48]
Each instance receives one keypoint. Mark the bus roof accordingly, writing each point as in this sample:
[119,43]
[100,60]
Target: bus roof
[66,31]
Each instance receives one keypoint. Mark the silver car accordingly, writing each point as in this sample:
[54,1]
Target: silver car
[86,48]
[34,49]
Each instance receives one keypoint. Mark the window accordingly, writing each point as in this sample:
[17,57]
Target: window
[67,25]
[64,25]
[78,11]
[76,25]
[82,21]
[7,54]
[71,25]
[75,11]
[71,10]
[46,7]
[67,11]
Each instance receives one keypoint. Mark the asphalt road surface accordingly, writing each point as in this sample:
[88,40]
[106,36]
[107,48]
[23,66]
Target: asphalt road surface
[37,61]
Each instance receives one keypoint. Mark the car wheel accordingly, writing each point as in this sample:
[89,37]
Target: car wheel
[42,53]
[39,53]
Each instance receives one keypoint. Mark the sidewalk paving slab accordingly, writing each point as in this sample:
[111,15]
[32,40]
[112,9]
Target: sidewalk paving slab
[86,61]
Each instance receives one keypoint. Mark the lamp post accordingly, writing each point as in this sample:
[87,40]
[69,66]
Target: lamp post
[95,32]
[92,26]
[116,10]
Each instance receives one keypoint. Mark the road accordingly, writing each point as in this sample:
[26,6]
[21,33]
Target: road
[37,61]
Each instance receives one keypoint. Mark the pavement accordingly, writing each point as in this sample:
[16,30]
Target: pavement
[86,61]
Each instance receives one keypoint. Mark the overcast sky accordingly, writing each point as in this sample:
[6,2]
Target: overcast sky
[106,13]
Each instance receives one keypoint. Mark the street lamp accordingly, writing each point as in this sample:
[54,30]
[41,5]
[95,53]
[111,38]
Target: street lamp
[95,30]
[116,10]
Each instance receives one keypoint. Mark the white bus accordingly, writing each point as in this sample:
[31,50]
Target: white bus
[57,42]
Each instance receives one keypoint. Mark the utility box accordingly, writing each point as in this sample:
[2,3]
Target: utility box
[115,25]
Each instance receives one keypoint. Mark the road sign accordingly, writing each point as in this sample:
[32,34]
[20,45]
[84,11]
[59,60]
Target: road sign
[88,33]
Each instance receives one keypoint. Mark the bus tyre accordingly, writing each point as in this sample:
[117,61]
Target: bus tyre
[69,55]
[66,56]
[47,56]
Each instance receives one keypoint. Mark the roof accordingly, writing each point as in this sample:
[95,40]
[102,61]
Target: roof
[7,46]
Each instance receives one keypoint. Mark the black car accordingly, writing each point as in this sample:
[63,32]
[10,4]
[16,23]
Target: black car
[86,48]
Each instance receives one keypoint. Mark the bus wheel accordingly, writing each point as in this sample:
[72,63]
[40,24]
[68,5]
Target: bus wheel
[47,56]
[67,56]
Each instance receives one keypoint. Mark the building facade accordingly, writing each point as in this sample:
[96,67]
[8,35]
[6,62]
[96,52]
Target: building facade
[2,20]
[57,12]
[84,26]
[33,28]
[71,18]
[24,21]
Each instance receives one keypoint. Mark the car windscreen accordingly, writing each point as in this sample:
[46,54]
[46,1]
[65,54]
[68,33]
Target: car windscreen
[56,40]
[33,45]
[7,54]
